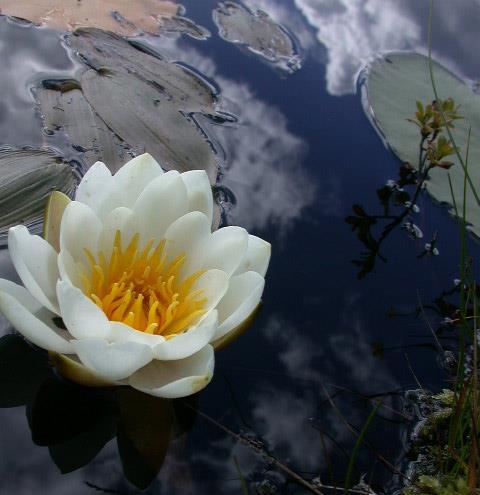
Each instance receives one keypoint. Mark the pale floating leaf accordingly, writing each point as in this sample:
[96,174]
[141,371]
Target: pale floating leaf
[258,33]
[137,113]
[66,109]
[102,50]
[177,24]
[27,177]
[394,83]
[125,17]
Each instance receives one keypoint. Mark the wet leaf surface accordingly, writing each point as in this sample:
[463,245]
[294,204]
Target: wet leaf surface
[121,16]
[27,177]
[128,101]
[100,49]
[147,119]
[394,84]
[258,32]
[70,112]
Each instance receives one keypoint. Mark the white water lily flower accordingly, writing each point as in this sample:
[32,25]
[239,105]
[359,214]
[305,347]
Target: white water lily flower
[144,288]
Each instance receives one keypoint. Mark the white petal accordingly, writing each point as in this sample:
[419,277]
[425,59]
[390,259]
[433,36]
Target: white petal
[122,219]
[36,263]
[112,361]
[188,343]
[186,234]
[160,204]
[37,328]
[69,269]
[214,284]
[243,295]
[124,333]
[21,295]
[133,178]
[172,379]
[257,256]
[83,318]
[199,191]
[224,250]
[95,187]
[79,230]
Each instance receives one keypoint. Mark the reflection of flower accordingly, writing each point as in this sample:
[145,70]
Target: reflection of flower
[142,285]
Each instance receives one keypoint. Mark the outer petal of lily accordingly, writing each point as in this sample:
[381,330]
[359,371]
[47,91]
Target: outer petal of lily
[83,318]
[257,256]
[172,379]
[112,361]
[188,343]
[124,333]
[160,204]
[36,264]
[79,230]
[225,250]
[243,295]
[16,304]
[199,192]
[185,234]
[95,187]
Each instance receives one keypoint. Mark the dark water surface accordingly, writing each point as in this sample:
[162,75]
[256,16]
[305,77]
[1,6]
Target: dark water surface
[300,156]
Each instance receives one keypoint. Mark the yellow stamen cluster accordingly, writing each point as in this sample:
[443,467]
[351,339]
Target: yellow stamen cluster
[139,288]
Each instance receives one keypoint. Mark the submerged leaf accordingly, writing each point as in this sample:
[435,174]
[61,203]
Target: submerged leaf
[394,84]
[27,177]
[22,370]
[258,32]
[121,16]
[144,434]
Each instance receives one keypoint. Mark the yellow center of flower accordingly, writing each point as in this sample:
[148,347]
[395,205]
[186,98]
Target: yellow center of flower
[139,288]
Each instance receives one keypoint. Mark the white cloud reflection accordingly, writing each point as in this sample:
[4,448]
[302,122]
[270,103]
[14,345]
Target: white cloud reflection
[263,157]
[353,31]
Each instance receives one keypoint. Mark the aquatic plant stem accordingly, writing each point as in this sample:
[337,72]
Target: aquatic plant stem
[358,443]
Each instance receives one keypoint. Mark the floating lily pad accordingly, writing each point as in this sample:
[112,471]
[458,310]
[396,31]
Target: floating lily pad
[103,50]
[182,25]
[69,111]
[136,112]
[128,101]
[27,177]
[122,16]
[258,33]
[393,85]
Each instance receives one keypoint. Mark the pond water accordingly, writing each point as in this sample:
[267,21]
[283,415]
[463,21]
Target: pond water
[295,160]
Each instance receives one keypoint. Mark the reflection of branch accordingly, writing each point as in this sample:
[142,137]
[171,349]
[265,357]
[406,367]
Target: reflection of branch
[259,450]
[100,489]
[363,222]
[354,431]
[434,147]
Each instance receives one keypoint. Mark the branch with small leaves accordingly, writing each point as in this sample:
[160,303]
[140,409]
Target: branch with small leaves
[434,150]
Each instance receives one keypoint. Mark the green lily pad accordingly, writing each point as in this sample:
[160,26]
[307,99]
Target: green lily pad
[27,177]
[393,85]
